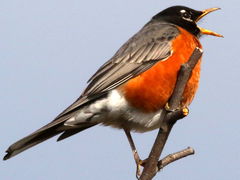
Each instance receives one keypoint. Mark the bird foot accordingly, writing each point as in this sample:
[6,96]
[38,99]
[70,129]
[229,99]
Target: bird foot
[140,165]
[185,110]
[167,108]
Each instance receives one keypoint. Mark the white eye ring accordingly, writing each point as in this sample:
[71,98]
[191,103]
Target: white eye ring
[182,11]
[186,15]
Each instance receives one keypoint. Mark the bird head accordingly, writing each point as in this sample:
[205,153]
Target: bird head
[186,18]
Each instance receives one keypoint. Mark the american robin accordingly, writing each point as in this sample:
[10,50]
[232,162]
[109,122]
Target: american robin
[131,89]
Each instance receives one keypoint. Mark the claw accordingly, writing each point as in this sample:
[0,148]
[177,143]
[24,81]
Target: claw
[138,171]
[185,111]
[140,164]
[167,107]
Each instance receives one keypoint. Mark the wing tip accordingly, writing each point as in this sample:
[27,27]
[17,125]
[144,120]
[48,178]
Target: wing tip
[60,138]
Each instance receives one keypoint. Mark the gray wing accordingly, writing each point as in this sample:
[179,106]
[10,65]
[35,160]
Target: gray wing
[147,47]
[143,50]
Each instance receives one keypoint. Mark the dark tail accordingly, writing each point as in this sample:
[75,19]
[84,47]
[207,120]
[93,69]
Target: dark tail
[41,135]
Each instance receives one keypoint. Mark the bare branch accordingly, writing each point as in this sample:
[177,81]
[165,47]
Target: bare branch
[174,157]
[169,118]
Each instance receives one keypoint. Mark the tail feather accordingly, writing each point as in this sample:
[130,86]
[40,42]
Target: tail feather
[42,135]
[29,141]
[69,133]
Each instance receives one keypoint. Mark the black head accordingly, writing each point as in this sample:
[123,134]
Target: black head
[186,18]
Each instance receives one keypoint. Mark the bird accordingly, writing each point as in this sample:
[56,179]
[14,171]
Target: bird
[132,88]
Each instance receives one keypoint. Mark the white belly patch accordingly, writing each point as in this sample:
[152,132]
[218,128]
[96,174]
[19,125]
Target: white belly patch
[115,111]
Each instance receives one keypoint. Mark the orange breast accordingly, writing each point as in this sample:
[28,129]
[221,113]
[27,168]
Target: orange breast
[151,90]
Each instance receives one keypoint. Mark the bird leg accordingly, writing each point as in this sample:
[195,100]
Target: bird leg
[137,159]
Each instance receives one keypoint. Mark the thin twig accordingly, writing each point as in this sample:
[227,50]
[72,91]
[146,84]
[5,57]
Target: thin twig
[174,157]
[151,168]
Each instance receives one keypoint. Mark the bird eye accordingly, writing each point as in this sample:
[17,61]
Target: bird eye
[186,15]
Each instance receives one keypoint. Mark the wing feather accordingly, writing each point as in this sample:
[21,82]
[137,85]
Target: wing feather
[149,46]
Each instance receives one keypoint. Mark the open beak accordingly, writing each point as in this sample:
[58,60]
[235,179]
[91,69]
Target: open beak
[205,31]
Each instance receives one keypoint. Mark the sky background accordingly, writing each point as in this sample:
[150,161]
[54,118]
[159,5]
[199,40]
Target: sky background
[49,49]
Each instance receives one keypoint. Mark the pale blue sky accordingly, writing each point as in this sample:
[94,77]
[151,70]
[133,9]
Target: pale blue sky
[50,48]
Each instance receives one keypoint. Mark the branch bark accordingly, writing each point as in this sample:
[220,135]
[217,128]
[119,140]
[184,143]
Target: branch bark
[174,157]
[169,118]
